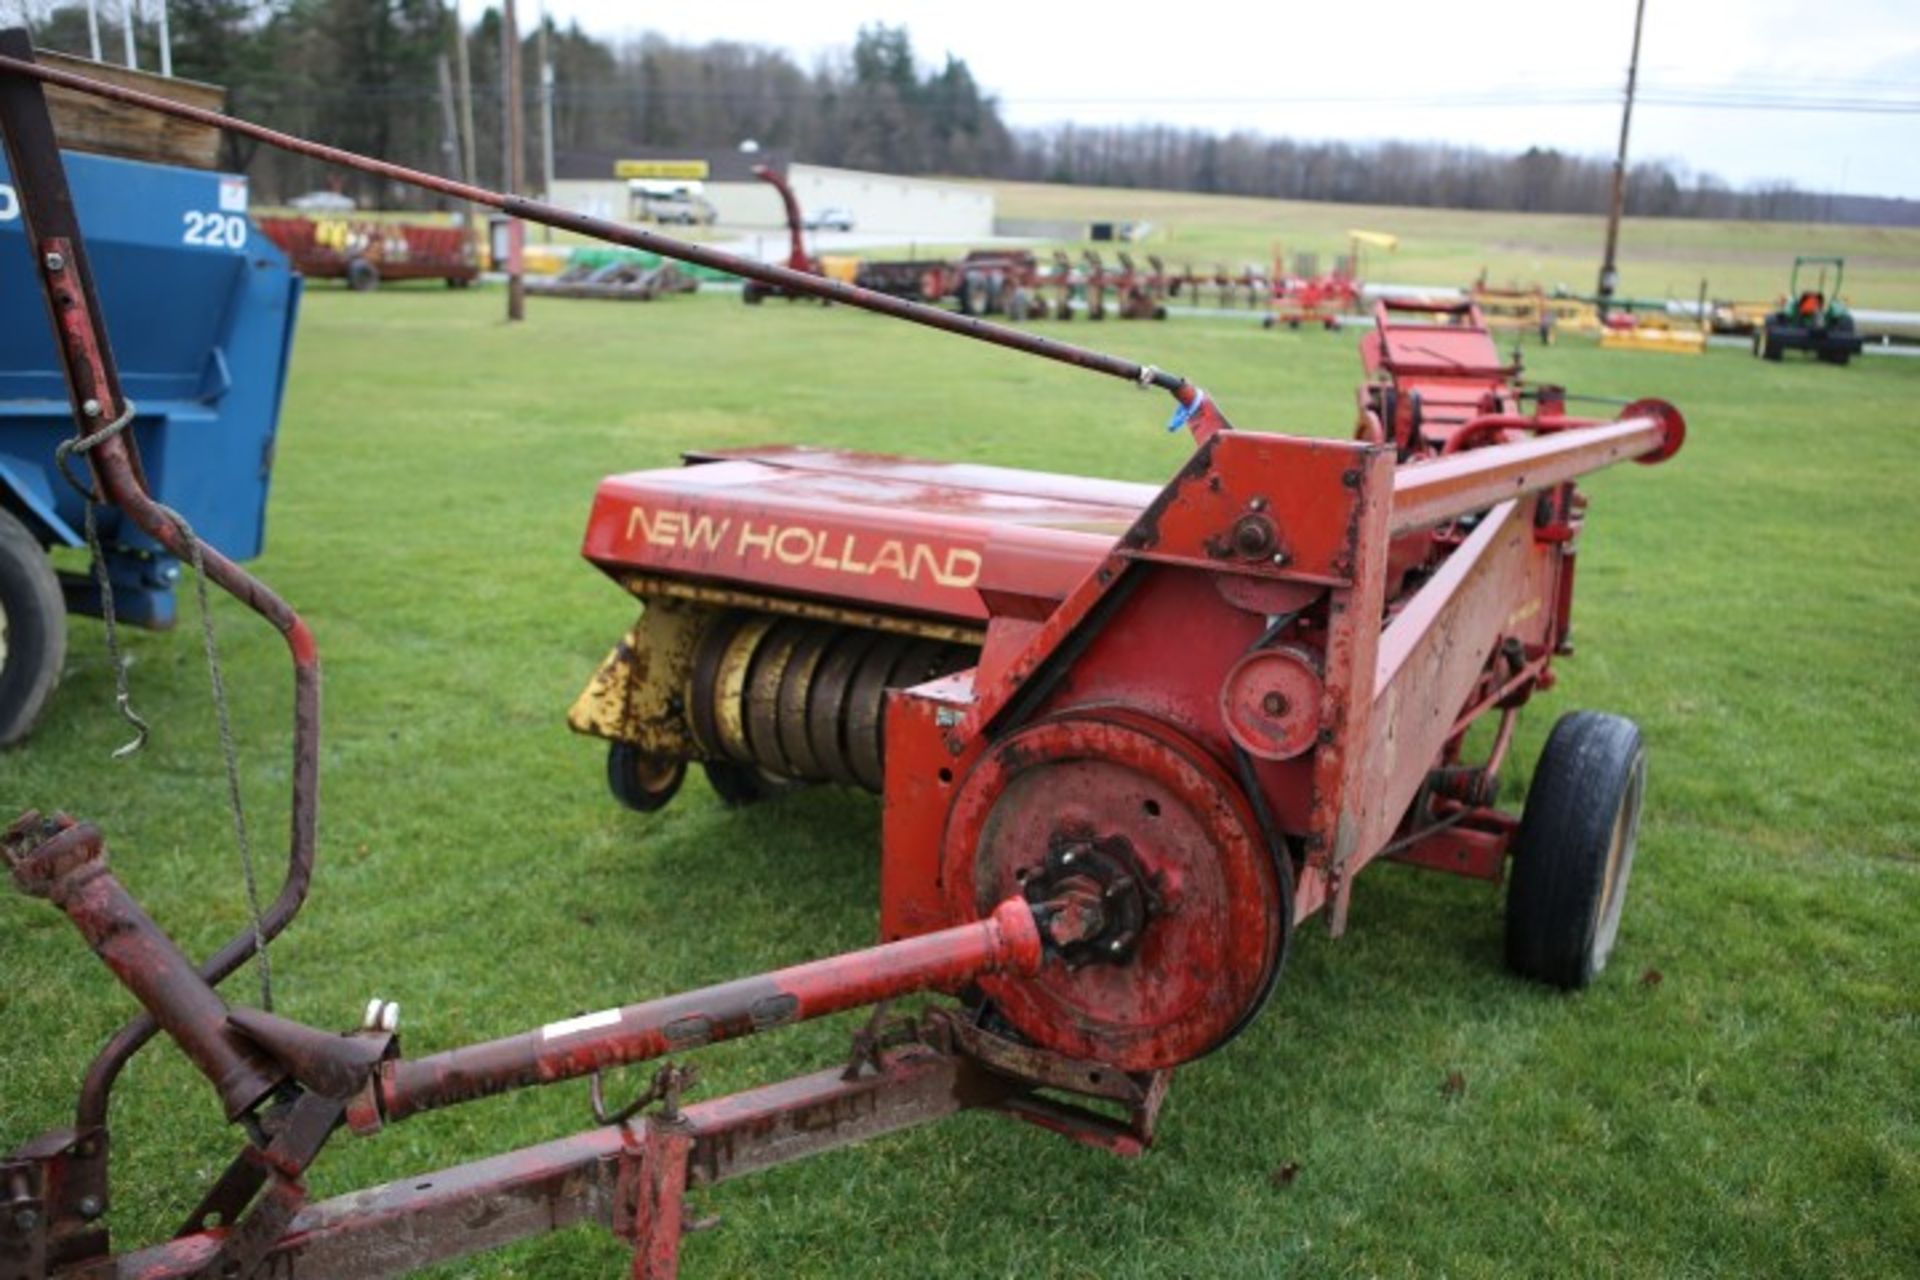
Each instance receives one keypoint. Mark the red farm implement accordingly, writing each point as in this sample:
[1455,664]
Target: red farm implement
[365,252]
[987,282]
[1128,737]
[798,259]
[1306,295]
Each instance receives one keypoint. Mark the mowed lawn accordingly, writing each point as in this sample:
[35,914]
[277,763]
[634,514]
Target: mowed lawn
[1737,1095]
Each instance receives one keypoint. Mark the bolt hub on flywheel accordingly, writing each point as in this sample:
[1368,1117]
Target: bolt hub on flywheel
[1177,923]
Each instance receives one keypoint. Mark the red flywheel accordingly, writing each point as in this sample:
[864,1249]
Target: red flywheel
[1112,804]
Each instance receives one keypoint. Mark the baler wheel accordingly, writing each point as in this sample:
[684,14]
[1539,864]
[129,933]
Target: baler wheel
[1574,850]
[640,781]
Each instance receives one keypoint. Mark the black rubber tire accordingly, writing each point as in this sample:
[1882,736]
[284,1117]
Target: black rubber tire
[33,646]
[976,296]
[1574,851]
[642,782]
[739,785]
[753,293]
[362,276]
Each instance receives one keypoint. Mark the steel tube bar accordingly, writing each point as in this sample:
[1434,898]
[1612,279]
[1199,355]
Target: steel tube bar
[619,233]
[410,1223]
[1006,941]
[1426,493]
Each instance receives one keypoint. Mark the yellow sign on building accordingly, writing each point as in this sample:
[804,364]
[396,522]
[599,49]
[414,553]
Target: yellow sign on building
[693,170]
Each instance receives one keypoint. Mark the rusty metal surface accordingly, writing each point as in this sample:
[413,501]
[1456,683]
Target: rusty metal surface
[450,1213]
[1214,931]
[66,863]
[726,692]
[650,587]
[652,1199]
[866,697]
[1426,493]
[1497,585]
[638,694]
[827,708]
[761,694]
[1006,940]
[793,718]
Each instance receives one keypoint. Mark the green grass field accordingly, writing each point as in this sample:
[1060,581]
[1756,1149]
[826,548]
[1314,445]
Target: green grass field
[1659,257]
[1737,1095]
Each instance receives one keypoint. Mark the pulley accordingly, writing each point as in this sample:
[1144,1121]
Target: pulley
[1111,812]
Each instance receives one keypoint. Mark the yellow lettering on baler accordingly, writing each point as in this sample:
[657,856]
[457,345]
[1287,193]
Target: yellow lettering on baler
[676,529]
[891,558]
[848,562]
[794,544]
[706,533]
[803,545]
[750,540]
[963,568]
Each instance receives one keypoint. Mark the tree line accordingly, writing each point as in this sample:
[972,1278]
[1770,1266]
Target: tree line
[367,75]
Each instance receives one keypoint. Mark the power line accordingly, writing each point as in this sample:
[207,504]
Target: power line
[1694,99]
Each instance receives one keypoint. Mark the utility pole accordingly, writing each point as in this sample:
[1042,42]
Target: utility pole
[469,168]
[511,110]
[1609,272]
[449,121]
[546,121]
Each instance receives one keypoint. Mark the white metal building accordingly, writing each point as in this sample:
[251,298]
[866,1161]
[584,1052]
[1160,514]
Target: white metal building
[603,184]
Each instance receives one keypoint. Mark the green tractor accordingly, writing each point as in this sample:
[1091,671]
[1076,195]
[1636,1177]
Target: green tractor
[1811,320]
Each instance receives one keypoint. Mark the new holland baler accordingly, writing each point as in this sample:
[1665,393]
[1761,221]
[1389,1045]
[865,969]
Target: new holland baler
[1128,738]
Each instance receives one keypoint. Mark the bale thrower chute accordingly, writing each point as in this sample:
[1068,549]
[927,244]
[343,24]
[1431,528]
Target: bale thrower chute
[1128,739]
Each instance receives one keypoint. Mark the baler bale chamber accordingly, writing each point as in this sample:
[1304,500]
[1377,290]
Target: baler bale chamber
[1127,739]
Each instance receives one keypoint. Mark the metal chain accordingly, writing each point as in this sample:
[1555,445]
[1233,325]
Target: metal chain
[229,754]
[215,676]
[123,696]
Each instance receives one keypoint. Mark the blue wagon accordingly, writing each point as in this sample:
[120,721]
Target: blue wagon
[202,308]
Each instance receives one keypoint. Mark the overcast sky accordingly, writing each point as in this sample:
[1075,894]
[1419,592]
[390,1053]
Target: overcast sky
[1503,74]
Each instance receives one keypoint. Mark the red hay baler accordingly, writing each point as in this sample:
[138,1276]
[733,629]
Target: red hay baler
[1128,739]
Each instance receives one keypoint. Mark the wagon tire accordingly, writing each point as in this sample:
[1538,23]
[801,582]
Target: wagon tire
[33,631]
[362,276]
[1574,851]
[740,785]
[641,781]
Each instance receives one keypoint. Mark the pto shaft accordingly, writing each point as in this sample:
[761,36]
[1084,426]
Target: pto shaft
[1008,941]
